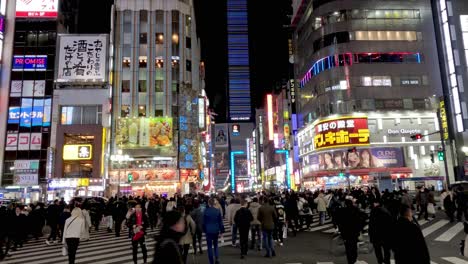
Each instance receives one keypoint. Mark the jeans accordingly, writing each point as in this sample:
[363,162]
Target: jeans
[234,234]
[185,250]
[256,233]
[382,258]
[244,239]
[351,250]
[197,236]
[322,217]
[212,247]
[268,242]
[142,243]
[72,246]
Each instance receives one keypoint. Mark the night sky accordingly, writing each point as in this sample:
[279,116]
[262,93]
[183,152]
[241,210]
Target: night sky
[267,36]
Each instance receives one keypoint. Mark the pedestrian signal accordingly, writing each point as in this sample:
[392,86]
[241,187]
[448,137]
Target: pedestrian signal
[130,177]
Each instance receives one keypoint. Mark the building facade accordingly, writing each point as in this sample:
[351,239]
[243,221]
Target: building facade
[156,64]
[368,80]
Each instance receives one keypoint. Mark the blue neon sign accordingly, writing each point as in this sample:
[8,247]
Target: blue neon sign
[288,175]
[29,63]
[233,177]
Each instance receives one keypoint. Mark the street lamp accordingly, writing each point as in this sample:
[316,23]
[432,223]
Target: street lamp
[119,157]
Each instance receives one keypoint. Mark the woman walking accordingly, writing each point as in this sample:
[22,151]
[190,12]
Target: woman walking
[138,223]
[74,227]
[213,228]
[167,243]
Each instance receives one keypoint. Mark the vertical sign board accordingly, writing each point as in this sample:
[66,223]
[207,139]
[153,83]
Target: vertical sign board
[26,172]
[292,95]
[443,119]
[82,58]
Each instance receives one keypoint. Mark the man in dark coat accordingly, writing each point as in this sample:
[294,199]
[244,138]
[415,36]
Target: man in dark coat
[381,226]
[53,214]
[267,217]
[350,223]
[119,210]
[242,218]
[409,243]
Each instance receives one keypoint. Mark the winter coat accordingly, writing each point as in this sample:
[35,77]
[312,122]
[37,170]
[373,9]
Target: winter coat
[171,205]
[253,207]
[212,221]
[407,200]
[243,218]
[231,212]
[350,222]
[381,226]
[321,203]
[280,213]
[87,225]
[190,231]
[409,245]
[197,216]
[167,249]
[74,228]
[267,216]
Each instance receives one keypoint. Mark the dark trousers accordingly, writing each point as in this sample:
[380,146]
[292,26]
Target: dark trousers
[244,239]
[256,236]
[278,232]
[153,219]
[197,236]
[423,211]
[460,212]
[72,246]
[53,232]
[142,243]
[212,247]
[450,214]
[294,226]
[185,250]
[382,253]
[351,250]
[4,241]
[118,226]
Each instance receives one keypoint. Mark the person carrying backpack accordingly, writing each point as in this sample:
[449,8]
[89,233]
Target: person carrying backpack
[189,231]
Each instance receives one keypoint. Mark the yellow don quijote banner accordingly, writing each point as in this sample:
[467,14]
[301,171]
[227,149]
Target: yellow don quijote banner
[341,132]
[144,132]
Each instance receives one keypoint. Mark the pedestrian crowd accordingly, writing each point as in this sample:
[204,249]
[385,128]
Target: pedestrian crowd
[257,221]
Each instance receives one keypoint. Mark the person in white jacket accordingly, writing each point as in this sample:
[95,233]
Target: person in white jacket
[87,224]
[230,213]
[74,228]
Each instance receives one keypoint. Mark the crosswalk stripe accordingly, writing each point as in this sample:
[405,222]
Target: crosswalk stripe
[429,230]
[422,222]
[320,227]
[455,260]
[329,231]
[451,233]
[325,262]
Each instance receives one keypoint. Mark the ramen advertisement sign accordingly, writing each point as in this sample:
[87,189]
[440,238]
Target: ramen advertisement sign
[144,132]
[143,176]
[341,132]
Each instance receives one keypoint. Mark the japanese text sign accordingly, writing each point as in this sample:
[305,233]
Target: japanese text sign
[77,152]
[82,58]
[443,119]
[341,132]
[29,63]
[37,8]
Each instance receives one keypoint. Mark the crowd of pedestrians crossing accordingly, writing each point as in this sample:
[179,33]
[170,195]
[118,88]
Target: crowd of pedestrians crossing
[261,221]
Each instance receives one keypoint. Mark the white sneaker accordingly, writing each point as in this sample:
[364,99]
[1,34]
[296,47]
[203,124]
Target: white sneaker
[47,242]
[281,243]
[55,242]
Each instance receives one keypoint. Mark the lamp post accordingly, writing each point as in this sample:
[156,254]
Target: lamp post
[119,157]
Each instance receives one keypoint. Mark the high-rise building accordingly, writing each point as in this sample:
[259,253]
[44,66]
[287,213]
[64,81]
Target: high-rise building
[451,20]
[28,76]
[239,94]
[369,85]
[156,84]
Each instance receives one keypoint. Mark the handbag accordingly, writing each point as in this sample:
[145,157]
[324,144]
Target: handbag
[430,208]
[138,235]
[285,231]
[46,230]
[64,250]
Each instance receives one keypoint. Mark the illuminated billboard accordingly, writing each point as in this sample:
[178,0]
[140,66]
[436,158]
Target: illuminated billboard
[36,8]
[32,112]
[29,63]
[144,132]
[78,152]
[341,132]
[270,116]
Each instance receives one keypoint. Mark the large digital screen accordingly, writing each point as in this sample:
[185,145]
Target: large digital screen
[341,132]
[29,63]
[36,8]
[144,132]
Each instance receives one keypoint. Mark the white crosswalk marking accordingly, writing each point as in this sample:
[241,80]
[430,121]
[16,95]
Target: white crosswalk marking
[455,260]
[422,222]
[329,231]
[320,227]
[325,263]
[451,233]
[432,228]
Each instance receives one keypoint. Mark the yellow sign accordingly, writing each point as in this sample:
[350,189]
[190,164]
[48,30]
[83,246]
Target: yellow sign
[78,152]
[443,119]
[341,132]
[83,182]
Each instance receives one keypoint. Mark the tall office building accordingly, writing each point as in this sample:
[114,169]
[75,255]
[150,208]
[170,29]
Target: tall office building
[156,64]
[240,105]
[451,20]
[369,81]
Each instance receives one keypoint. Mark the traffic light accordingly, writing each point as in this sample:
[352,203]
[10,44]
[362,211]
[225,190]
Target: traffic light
[341,174]
[441,155]
[416,136]
[130,177]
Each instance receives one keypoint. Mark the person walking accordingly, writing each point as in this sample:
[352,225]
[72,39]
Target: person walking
[37,220]
[230,213]
[267,216]
[74,227]
[167,248]
[292,212]
[278,234]
[53,214]
[108,214]
[19,224]
[242,219]
[460,199]
[350,224]
[213,228]
[409,243]
[255,225]
[63,218]
[321,206]
[381,226]
[448,201]
[422,202]
[406,199]
[138,223]
[197,216]
[119,209]
[189,232]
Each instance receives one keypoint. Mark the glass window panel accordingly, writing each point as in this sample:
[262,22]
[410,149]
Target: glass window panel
[142,86]
[125,86]
[89,114]
[143,38]
[159,38]
[142,110]
[125,110]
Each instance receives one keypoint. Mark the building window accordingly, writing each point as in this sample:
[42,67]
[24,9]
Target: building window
[81,115]
[159,63]
[188,64]
[142,86]
[188,42]
[376,81]
[125,111]
[158,85]
[143,38]
[142,110]
[143,61]
[126,62]
[159,38]
[386,35]
[125,86]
